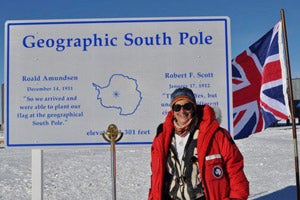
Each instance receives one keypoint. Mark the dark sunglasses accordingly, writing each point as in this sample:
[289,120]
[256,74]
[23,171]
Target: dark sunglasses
[187,106]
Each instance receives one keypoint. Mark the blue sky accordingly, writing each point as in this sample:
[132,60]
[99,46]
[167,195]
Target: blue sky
[249,19]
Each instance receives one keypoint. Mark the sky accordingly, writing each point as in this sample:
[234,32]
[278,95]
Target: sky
[249,19]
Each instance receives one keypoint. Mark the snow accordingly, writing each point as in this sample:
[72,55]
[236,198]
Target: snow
[71,174]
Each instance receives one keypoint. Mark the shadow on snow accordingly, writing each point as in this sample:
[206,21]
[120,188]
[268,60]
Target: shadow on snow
[288,193]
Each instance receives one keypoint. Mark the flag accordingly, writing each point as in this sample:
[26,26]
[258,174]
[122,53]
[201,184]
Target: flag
[259,85]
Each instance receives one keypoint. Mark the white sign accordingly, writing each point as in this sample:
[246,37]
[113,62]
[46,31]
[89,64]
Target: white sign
[67,80]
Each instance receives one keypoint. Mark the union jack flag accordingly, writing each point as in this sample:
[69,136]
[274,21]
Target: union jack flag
[259,85]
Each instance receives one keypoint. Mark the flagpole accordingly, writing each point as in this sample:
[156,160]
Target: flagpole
[291,101]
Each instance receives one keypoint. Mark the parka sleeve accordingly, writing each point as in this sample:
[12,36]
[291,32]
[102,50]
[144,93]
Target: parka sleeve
[156,165]
[234,165]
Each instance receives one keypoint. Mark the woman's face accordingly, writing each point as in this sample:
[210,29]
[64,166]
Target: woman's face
[183,115]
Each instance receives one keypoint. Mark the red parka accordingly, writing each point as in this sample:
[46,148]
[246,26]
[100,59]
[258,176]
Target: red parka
[220,161]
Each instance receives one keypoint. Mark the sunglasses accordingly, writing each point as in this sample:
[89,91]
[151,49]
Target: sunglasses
[187,106]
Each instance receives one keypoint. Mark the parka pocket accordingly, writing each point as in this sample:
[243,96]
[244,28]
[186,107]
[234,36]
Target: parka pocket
[216,177]
[214,167]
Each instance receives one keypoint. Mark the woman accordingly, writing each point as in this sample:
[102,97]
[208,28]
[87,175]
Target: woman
[193,157]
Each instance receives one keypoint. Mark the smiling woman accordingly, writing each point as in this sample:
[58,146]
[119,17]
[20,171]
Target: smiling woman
[192,157]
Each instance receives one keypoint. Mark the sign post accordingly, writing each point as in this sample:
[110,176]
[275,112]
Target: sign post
[37,174]
[113,136]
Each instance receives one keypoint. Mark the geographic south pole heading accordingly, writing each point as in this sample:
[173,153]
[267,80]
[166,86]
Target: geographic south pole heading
[97,40]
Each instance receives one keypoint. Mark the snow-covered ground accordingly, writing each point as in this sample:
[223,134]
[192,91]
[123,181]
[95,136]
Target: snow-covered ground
[76,174]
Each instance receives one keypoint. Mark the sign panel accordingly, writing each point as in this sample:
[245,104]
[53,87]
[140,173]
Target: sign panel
[67,80]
